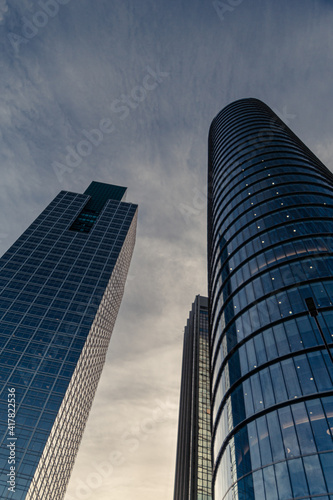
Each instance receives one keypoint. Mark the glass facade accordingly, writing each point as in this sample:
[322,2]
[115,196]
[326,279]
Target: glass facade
[270,247]
[193,466]
[61,285]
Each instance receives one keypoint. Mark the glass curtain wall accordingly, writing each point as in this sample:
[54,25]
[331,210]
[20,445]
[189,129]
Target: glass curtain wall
[270,250]
[193,466]
[61,284]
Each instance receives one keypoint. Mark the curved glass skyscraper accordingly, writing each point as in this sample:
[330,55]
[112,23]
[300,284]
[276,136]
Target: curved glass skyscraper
[270,253]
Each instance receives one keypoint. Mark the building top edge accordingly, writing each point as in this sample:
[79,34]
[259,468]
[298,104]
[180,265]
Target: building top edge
[244,100]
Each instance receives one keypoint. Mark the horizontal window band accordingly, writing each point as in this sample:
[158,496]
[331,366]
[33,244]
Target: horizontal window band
[253,372]
[264,297]
[310,497]
[261,274]
[260,414]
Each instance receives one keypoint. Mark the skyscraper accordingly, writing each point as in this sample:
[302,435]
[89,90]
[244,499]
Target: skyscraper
[270,253]
[61,284]
[193,463]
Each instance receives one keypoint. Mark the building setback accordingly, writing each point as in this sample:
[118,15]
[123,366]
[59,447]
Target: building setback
[270,260]
[193,462]
[61,284]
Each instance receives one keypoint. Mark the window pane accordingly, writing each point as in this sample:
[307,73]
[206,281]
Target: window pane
[297,475]
[319,425]
[283,481]
[275,431]
[270,483]
[259,485]
[303,429]
[288,432]
[264,442]
[314,475]
[327,464]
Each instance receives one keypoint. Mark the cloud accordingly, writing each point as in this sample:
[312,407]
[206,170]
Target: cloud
[64,81]
[3,10]
[324,151]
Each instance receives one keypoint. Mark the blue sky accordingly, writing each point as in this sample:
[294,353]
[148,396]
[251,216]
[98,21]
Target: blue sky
[143,80]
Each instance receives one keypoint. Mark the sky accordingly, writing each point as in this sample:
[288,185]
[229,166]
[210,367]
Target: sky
[124,92]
